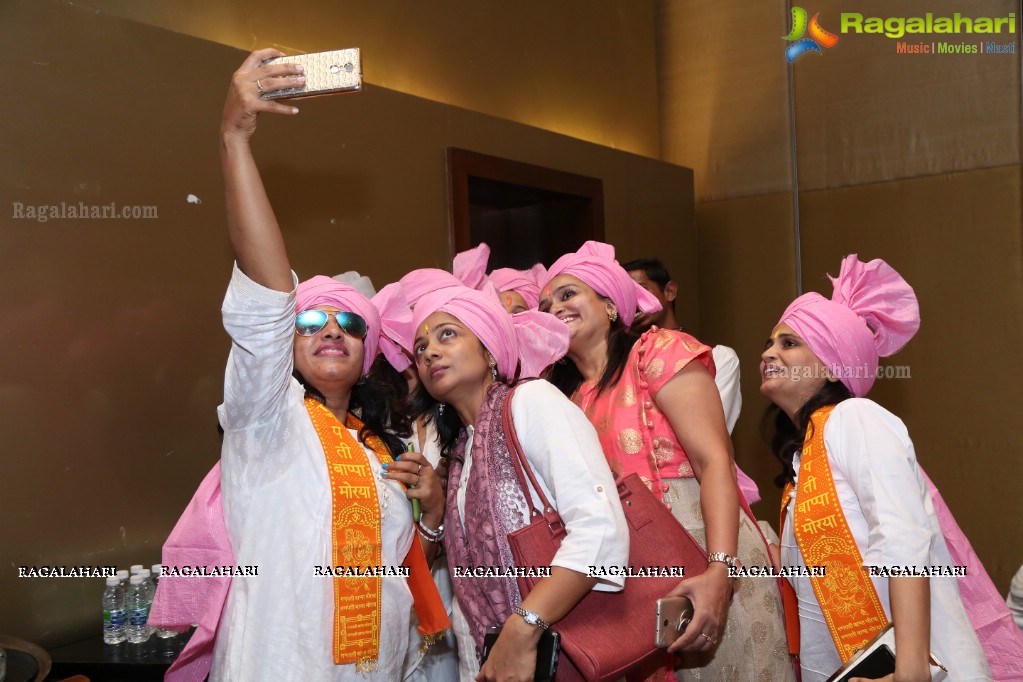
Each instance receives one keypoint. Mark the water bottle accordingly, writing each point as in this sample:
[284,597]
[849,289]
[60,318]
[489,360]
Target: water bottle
[160,632]
[147,582]
[137,604]
[114,620]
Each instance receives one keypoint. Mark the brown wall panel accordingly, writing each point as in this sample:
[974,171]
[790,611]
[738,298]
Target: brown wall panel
[747,260]
[112,353]
[957,239]
[866,114]
[724,99]
[585,68]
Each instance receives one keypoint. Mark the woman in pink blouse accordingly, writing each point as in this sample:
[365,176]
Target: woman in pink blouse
[657,414]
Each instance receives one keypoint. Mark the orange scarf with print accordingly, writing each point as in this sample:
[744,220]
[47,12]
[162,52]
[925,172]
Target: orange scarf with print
[355,529]
[846,595]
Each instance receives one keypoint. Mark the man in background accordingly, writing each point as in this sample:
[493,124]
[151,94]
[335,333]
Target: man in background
[651,274]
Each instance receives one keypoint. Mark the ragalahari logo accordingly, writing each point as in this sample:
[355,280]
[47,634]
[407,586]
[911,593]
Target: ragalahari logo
[819,37]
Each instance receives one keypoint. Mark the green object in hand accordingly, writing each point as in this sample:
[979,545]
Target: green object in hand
[417,512]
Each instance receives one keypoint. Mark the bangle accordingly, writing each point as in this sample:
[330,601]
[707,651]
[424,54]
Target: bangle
[726,559]
[429,534]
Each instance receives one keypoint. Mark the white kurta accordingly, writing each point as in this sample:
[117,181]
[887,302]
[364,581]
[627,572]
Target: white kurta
[279,625]
[889,511]
[726,365]
[564,454]
[440,662]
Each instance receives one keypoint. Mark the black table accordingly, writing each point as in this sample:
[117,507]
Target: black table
[123,662]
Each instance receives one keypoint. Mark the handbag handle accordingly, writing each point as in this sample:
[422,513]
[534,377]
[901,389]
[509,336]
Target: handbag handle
[521,466]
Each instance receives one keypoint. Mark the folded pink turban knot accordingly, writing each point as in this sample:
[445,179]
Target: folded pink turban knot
[524,282]
[470,267]
[872,313]
[531,340]
[322,290]
[594,263]
[395,324]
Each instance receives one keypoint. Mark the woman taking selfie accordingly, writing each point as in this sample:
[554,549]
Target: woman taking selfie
[467,351]
[855,496]
[657,412]
[307,430]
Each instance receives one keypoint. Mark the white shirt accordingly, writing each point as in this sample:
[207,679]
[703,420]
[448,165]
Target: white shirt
[889,511]
[279,625]
[564,453]
[726,364]
[1015,599]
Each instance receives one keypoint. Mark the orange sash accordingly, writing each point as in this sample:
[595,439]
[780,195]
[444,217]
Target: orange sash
[846,595]
[355,529]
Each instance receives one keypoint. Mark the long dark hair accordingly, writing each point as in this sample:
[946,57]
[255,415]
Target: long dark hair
[786,437]
[448,423]
[380,401]
[565,375]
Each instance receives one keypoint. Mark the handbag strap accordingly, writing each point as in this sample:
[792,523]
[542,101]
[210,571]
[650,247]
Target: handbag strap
[522,468]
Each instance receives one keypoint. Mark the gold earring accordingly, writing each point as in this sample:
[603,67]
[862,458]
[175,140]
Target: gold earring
[613,316]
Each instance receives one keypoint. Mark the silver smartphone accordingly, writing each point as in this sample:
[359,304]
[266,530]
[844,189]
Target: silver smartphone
[326,73]
[673,616]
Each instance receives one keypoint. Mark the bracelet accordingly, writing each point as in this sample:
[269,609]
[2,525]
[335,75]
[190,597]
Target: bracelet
[429,534]
[723,558]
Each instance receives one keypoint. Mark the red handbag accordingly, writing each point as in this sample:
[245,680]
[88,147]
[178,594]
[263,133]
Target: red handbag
[607,635]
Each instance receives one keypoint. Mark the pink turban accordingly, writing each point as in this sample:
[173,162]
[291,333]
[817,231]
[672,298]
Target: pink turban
[419,283]
[470,267]
[321,290]
[525,282]
[872,313]
[594,263]
[532,338]
[395,324]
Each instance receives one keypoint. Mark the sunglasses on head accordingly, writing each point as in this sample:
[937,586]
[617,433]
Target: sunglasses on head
[308,322]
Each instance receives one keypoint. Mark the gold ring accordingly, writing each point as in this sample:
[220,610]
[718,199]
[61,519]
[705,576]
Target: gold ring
[259,86]
[418,478]
[708,638]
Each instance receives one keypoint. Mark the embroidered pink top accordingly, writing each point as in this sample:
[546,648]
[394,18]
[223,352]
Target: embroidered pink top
[636,436]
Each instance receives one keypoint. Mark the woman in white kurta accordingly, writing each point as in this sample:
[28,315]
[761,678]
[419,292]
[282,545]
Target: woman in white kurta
[820,361]
[467,348]
[285,513]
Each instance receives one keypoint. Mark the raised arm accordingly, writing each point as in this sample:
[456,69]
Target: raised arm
[251,225]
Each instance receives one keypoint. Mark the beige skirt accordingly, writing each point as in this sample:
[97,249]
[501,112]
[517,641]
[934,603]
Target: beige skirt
[752,646]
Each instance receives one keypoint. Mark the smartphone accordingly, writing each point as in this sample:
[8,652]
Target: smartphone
[673,616]
[547,652]
[326,73]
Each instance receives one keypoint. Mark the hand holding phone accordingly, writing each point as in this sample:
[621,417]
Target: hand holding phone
[326,73]
[673,617]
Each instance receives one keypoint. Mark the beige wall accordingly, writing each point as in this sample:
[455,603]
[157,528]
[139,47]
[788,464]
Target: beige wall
[914,159]
[584,68]
[112,355]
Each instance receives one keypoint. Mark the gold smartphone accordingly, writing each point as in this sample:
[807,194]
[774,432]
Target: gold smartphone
[326,73]
[673,616]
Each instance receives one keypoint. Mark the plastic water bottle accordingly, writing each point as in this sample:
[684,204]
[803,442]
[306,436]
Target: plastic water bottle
[147,582]
[160,632]
[114,619]
[137,604]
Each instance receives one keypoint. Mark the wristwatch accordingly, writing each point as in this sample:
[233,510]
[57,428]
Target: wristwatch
[532,618]
[727,560]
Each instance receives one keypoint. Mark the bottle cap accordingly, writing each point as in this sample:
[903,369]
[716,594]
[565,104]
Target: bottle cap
[145,573]
[136,579]
[157,569]
[135,568]
[123,575]
[113,582]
